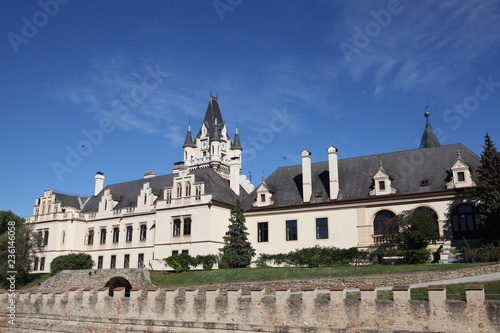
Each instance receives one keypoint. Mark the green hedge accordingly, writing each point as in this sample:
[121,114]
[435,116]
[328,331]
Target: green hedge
[317,256]
[71,261]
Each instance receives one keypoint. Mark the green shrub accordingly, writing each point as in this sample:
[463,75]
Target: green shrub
[71,261]
[486,253]
[317,256]
[180,263]
[207,261]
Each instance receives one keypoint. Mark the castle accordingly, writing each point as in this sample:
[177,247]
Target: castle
[339,202]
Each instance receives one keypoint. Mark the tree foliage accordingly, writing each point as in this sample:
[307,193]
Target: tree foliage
[415,230]
[488,192]
[72,261]
[18,247]
[237,251]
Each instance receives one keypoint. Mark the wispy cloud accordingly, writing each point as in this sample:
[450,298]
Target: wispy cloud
[427,42]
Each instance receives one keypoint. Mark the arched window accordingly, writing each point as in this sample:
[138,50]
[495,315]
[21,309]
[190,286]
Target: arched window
[116,234]
[179,190]
[169,196]
[188,189]
[198,193]
[128,236]
[427,211]
[464,222]
[384,221]
[143,232]
[177,227]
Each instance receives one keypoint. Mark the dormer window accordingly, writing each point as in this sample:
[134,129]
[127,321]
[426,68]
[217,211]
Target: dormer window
[262,197]
[461,176]
[381,185]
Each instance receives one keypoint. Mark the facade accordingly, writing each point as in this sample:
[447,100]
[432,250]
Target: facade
[342,203]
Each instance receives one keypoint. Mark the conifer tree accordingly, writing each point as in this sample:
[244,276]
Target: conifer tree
[237,252]
[488,192]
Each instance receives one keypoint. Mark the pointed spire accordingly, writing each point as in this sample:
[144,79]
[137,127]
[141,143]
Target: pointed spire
[236,144]
[189,139]
[429,138]
[213,118]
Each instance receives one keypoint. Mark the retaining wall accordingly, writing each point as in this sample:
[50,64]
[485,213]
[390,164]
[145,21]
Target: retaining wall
[208,310]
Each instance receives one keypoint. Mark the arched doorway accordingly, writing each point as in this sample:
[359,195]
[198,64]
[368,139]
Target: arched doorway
[116,282]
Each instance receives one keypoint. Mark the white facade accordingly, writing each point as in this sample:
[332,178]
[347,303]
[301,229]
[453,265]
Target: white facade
[340,203]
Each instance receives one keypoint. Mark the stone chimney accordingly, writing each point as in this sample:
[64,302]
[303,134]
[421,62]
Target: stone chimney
[99,183]
[306,176]
[333,170]
[234,175]
[150,174]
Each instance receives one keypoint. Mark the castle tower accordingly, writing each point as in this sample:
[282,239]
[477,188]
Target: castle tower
[212,147]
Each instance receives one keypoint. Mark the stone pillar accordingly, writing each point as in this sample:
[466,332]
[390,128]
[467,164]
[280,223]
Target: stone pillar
[211,313]
[437,300]
[190,311]
[151,302]
[171,294]
[401,296]
[282,295]
[233,297]
[309,295]
[368,310]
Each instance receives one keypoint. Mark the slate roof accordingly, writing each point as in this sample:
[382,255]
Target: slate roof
[213,119]
[188,142]
[407,169]
[429,138]
[70,200]
[126,193]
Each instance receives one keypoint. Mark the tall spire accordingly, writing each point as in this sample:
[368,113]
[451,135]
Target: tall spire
[189,139]
[213,118]
[429,138]
[236,143]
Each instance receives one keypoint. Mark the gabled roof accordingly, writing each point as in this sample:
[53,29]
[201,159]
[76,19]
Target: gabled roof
[126,193]
[408,169]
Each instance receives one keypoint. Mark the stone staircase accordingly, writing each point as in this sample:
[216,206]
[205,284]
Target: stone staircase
[447,255]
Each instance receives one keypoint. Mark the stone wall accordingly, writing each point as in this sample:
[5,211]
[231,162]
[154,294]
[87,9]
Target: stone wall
[192,310]
[64,280]
[355,281]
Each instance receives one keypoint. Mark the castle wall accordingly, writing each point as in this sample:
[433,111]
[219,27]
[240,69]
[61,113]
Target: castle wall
[210,310]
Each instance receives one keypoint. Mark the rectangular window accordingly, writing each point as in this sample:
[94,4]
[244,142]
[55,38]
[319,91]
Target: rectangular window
[262,232]
[42,263]
[143,232]
[128,236]
[140,260]
[262,198]
[291,230]
[46,237]
[103,236]
[185,251]
[90,238]
[175,253]
[187,226]
[113,262]
[322,228]
[126,261]
[35,264]
[100,260]
[461,176]
[381,185]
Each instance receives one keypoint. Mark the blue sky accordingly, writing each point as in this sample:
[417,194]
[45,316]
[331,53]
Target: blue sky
[292,74]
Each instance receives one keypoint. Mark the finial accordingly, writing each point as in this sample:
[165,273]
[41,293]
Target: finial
[426,114]
[458,154]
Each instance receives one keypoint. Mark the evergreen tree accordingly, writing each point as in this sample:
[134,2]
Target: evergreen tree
[488,192]
[237,252]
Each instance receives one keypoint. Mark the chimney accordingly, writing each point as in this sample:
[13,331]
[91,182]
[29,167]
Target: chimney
[234,175]
[150,174]
[333,170]
[306,175]
[99,183]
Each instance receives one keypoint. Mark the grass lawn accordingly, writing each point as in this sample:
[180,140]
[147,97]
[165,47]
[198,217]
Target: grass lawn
[197,278]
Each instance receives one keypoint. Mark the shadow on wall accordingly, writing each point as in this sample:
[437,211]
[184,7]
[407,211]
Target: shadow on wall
[116,282]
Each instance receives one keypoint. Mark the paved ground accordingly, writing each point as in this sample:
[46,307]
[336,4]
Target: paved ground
[469,279]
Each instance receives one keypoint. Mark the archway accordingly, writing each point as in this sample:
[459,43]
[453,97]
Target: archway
[116,282]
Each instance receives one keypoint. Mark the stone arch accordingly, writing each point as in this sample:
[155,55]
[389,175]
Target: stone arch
[118,281]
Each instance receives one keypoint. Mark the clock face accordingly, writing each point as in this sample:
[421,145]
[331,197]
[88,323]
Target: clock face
[223,145]
[204,144]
